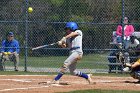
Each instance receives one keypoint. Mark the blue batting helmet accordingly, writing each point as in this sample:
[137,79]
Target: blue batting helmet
[71,25]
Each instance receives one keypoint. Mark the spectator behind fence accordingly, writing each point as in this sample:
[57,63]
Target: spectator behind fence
[9,51]
[128,31]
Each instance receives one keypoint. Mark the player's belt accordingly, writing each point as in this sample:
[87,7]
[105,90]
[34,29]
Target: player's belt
[74,48]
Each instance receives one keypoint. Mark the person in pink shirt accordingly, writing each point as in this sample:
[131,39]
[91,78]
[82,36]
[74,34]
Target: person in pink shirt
[117,41]
[128,31]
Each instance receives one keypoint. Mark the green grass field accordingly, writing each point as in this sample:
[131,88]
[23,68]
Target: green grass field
[88,61]
[102,91]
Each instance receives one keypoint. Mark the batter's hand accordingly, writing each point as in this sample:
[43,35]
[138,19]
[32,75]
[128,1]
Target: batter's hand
[60,43]
[63,39]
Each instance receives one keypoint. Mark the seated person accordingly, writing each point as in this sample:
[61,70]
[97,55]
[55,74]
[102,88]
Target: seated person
[117,40]
[133,42]
[10,51]
[128,31]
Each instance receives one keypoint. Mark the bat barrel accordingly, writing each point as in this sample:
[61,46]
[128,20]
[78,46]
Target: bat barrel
[44,46]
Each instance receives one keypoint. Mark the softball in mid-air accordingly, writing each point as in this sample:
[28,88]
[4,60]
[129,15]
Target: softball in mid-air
[30,9]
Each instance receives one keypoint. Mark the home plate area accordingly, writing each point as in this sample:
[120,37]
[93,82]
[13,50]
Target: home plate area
[41,83]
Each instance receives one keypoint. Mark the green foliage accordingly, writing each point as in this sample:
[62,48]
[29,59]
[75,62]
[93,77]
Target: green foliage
[76,18]
[55,17]
[57,2]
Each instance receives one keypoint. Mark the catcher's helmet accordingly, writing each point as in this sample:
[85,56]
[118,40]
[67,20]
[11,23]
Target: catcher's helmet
[71,25]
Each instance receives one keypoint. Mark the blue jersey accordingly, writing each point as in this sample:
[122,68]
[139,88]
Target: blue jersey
[13,46]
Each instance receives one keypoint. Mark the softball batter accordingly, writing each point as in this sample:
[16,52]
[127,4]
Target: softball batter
[72,40]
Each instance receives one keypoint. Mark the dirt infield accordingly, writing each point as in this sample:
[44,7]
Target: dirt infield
[30,84]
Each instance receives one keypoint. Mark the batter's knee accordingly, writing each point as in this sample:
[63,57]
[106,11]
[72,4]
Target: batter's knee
[64,68]
[78,58]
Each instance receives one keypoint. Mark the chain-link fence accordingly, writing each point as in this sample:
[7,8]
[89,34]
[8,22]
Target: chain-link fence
[45,25]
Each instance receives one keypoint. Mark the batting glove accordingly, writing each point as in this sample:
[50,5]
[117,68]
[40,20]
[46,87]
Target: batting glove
[63,39]
[59,42]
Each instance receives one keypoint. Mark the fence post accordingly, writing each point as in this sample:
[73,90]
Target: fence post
[123,15]
[26,35]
